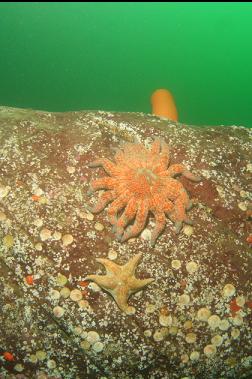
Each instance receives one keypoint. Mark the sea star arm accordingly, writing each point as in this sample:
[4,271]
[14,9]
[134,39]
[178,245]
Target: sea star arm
[108,166]
[118,204]
[155,147]
[178,214]
[163,158]
[138,284]
[101,183]
[159,227]
[167,206]
[131,265]
[104,281]
[111,267]
[134,148]
[177,169]
[182,202]
[121,295]
[126,217]
[119,156]
[139,223]
[183,198]
[103,201]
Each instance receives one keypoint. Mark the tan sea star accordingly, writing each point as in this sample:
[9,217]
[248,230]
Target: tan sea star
[139,182]
[120,281]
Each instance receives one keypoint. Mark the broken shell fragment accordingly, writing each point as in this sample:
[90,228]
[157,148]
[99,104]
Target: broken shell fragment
[77,330]
[41,355]
[58,311]
[191,267]
[61,280]
[217,340]
[238,320]
[83,304]
[188,324]
[112,254]
[54,294]
[165,320]
[67,239]
[98,226]
[214,321]
[98,347]
[51,364]
[93,337]
[4,190]
[235,333]
[191,338]
[150,308]
[38,246]
[65,292]
[194,356]
[8,241]
[184,358]
[19,367]
[228,290]
[45,234]
[94,287]
[75,295]
[147,333]
[224,325]
[184,299]
[2,216]
[158,336]
[85,345]
[176,264]
[240,301]
[57,236]
[209,350]
[188,230]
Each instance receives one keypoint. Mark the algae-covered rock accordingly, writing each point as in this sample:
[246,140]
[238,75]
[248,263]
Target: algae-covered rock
[194,319]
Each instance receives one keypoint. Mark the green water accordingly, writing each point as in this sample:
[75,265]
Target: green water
[72,56]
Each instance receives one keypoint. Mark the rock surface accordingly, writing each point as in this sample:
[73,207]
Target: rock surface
[193,322]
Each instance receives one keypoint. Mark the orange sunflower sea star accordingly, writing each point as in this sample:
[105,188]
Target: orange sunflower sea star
[139,182]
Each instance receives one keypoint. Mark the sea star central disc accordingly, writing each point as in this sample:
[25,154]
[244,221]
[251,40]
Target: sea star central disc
[139,182]
[120,281]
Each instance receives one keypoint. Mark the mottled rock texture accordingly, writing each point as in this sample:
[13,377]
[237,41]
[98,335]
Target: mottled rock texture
[193,322]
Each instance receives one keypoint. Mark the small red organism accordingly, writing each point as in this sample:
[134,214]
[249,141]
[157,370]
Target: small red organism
[249,239]
[8,356]
[234,307]
[35,197]
[249,304]
[29,280]
[83,283]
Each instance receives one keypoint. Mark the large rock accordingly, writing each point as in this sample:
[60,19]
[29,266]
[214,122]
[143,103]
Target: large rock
[193,321]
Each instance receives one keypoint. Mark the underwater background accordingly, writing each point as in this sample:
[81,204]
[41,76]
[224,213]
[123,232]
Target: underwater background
[112,56]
